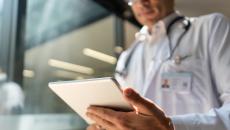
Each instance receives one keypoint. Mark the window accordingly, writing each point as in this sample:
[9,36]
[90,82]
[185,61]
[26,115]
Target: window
[65,40]
[61,34]
[58,34]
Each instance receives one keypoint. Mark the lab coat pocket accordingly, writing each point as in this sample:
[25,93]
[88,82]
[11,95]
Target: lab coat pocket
[187,87]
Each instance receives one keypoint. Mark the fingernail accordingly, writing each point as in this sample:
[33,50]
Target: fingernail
[99,127]
[128,92]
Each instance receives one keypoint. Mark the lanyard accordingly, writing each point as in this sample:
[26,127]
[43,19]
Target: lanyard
[187,25]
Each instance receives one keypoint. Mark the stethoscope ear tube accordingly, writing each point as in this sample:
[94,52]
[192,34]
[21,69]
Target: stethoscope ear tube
[186,22]
[175,20]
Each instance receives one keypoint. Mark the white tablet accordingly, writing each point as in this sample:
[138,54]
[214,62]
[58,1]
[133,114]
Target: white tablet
[80,94]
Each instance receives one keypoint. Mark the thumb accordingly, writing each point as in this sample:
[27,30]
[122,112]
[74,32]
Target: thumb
[142,105]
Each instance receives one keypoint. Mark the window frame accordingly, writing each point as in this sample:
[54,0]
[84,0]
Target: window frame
[12,39]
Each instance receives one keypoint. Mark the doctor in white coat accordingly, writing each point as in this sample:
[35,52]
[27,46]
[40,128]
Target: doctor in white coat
[181,64]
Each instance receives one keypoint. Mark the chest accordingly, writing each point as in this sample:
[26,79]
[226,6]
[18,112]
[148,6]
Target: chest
[188,64]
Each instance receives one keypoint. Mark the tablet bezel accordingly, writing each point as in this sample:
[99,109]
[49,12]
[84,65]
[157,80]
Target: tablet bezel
[102,92]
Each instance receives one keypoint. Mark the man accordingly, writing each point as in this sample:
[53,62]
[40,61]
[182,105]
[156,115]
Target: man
[192,54]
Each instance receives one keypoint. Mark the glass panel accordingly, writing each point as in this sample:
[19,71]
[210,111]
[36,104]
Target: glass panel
[43,61]
[57,34]
[60,34]
[3,52]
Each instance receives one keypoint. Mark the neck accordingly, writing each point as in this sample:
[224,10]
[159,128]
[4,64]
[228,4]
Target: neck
[154,22]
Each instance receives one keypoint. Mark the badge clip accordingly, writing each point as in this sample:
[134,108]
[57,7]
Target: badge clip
[177,60]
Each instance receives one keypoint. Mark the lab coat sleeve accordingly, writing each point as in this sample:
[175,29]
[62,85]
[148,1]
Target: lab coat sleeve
[219,52]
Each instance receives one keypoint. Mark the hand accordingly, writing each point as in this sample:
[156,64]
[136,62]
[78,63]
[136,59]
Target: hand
[93,127]
[147,116]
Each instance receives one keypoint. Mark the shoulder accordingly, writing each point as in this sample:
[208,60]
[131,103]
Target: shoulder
[211,24]
[212,20]
[213,16]
[127,54]
[122,59]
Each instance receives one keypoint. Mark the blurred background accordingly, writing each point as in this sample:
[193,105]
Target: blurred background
[53,40]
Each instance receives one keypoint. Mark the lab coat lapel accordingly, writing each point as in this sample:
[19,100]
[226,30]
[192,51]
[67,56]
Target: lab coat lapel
[139,71]
[159,58]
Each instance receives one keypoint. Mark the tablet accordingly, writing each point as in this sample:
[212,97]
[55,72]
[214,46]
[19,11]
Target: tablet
[80,94]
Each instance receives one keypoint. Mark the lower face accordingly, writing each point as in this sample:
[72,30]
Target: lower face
[149,12]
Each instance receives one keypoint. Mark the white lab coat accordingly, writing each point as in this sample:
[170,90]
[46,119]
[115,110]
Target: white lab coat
[205,103]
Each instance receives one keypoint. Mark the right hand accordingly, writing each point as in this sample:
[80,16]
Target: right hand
[147,115]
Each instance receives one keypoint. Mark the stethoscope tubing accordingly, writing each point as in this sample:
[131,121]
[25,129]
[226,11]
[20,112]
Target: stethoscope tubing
[187,25]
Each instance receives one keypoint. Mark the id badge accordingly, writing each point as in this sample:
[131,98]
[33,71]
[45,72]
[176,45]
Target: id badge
[176,81]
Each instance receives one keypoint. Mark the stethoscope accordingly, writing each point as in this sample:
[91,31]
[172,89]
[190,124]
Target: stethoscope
[186,25]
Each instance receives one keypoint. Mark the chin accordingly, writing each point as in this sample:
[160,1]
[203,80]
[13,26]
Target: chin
[147,20]
[150,21]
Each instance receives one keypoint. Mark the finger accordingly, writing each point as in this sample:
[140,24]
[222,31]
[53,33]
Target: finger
[92,127]
[143,105]
[100,121]
[105,113]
